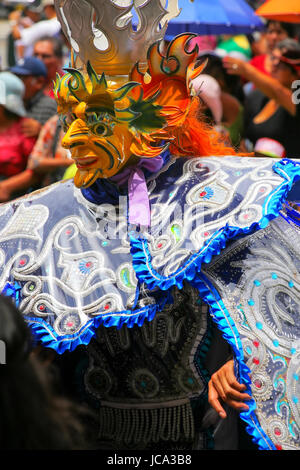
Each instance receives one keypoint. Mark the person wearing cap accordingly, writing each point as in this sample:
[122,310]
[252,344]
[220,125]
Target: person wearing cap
[39,107]
[49,26]
[15,146]
[271,110]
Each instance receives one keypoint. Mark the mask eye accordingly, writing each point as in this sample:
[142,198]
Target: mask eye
[101,130]
[99,124]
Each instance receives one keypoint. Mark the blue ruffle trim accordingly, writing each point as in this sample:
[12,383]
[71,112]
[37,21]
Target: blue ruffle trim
[287,169]
[230,333]
[43,332]
[12,290]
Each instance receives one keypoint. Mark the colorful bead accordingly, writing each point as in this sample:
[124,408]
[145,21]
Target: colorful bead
[207,193]
[175,229]
[85,266]
[258,383]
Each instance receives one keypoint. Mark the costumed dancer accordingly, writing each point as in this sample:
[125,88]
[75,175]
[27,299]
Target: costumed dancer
[167,254]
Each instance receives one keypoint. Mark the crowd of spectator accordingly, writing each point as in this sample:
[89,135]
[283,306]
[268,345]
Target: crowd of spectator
[30,133]
[257,90]
[247,92]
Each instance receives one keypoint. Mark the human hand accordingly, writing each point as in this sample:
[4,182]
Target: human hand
[234,66]
[224,386]
[31,127]
[5,193]
[15,15]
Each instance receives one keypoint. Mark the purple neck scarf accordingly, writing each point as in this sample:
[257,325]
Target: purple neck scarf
[139,205]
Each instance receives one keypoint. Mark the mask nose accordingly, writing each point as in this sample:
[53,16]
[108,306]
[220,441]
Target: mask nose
[77,134]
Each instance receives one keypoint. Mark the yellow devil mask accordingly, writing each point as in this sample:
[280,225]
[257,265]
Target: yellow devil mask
[108,128]
[104,127]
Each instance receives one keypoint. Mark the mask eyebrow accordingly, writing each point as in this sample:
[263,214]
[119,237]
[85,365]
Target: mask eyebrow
[100,110]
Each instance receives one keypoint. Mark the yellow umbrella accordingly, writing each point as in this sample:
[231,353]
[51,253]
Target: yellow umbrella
[279,10]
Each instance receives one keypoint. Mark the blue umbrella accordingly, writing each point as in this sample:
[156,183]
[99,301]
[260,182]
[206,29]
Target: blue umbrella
[213,17]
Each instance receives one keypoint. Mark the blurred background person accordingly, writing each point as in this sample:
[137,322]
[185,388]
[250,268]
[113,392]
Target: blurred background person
[39,107]
[275,32]
[270,110]
[231,96]
[50,51]
[234,46]
[34,414]
[49,159]
[282,47]
[209,93]
[46,164]
[22,17]
[50,26]
[15,146]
